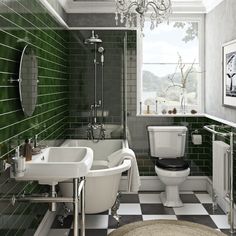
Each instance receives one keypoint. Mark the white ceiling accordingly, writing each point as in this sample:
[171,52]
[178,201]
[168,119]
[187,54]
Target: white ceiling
[103,6]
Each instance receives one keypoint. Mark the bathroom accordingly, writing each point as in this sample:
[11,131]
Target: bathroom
[56,30]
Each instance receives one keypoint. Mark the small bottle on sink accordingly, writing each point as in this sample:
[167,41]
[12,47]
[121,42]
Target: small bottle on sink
[27,150]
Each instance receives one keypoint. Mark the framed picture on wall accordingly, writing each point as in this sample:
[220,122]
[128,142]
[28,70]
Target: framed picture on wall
[229,73]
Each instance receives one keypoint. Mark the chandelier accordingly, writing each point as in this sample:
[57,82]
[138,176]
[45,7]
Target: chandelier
[156,10]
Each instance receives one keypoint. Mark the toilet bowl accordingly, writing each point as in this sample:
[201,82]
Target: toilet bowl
[171,180]
[167,145]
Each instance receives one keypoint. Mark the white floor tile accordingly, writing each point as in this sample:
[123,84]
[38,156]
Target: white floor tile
[58,232]
[204,197]
[221,221]
[190,209]
[109,231]
[129,209]
[159,217]
[149,198]
[96,221]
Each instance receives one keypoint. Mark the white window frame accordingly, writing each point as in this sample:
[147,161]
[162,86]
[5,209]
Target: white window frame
[200,18]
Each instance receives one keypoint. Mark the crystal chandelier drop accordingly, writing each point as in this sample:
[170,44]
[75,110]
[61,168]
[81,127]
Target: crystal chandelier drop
[156,10]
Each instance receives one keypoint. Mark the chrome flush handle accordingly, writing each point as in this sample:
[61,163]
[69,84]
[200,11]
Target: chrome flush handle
[183,134]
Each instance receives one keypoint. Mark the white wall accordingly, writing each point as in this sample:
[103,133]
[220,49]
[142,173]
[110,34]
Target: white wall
[220,28]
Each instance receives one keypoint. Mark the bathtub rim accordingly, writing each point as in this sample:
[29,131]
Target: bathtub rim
[125,165]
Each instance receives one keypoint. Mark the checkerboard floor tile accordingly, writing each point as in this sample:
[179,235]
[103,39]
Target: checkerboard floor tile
[147,206]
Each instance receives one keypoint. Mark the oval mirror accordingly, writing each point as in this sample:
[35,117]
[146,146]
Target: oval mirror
[28,79]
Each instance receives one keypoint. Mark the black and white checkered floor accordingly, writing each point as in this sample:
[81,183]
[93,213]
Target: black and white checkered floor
[146,206]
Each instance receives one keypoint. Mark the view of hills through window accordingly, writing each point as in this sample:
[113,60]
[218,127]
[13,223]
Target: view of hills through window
[162,80]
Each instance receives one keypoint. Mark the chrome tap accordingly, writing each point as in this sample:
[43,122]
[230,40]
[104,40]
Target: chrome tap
[35,141]
[103,132]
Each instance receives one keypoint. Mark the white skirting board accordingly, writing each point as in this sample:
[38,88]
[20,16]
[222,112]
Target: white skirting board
[153,183]
[45,225]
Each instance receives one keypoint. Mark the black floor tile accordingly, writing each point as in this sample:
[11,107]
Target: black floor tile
[150,192]
[148,209]
[101,213]
[189,198]
[125,219]
[67,223]
[209,209]
[92,232]
[129,198]
[156,209]
[200,219]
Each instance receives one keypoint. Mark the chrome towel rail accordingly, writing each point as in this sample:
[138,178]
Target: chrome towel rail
[211,128]
[230,195]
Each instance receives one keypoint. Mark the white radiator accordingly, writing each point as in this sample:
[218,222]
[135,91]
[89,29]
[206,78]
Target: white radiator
[220,171]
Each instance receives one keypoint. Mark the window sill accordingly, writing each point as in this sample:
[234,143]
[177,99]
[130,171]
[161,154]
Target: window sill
[172,115]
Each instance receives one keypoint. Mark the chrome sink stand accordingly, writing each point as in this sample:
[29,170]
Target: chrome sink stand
[79,190]
[78,197]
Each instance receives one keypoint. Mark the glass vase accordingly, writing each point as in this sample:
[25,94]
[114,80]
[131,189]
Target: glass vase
[183,101]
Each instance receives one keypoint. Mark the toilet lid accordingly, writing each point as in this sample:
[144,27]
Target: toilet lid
[172,164]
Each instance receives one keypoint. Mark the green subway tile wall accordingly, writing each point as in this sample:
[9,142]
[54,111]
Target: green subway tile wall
[18,20]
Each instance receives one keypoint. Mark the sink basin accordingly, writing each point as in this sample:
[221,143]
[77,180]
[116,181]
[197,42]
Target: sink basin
[57,164]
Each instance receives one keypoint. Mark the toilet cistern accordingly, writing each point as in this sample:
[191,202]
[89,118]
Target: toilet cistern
[167,145]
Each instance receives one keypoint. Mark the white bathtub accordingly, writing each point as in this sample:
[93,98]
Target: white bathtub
[102,183]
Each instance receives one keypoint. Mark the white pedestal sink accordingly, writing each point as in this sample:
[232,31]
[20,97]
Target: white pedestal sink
[56,164]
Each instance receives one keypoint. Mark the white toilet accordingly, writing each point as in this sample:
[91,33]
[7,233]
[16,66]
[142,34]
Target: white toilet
[167,144]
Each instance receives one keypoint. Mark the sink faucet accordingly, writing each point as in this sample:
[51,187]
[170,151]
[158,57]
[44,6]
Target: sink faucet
[35,141]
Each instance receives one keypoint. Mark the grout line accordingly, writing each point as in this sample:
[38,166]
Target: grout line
[55,108]
[5,45]
[49,94]
[51,86]
[10,112]
[28,32]
[34,45]
[6,59]
[27,218]
[45,68]
[44,59]
[7,73]
[41,21]
[52,124]
[34,26]
[15,210]
[45,103]
[55,131]
[49,77]
[29,129]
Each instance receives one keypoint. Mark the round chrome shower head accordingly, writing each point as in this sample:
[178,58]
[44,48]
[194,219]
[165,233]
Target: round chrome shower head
[93,39]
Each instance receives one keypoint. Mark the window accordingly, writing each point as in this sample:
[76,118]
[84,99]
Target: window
[169,53]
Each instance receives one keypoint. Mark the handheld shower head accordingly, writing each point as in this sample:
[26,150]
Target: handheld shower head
[101,50]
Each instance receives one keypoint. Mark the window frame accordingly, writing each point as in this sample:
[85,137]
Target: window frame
[200,18]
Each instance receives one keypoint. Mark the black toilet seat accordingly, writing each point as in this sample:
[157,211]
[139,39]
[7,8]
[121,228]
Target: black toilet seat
[172,164]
